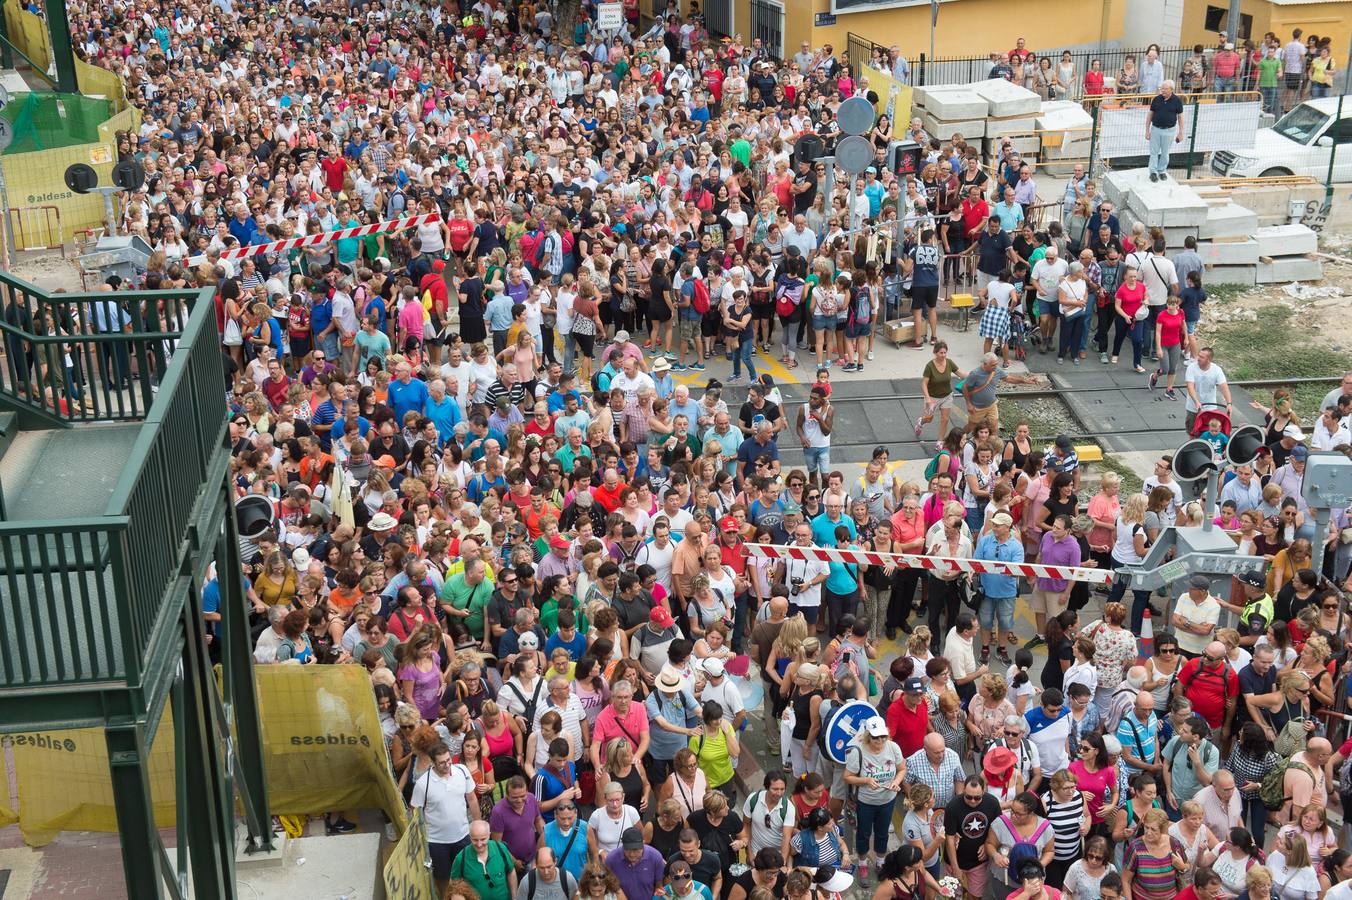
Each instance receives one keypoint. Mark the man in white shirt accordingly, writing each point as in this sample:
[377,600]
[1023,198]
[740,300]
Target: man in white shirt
[630,380]
[1206,383]
[1330,431]
[1196,614]
[1047,275]
[1164,477]
[961,660]
[446,795]
[718,686]
[661,550]
[804,577]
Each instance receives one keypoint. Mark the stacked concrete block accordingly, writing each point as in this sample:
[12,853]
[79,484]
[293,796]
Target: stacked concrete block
[1007,98]
[1286,253]
[1067,128]
[951,110]
[1228,220]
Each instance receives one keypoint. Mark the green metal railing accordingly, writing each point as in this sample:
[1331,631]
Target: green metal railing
[83,598]
[66,357]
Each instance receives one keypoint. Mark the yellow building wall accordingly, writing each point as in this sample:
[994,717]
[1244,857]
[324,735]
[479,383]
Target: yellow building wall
[1324,19]
[966,27]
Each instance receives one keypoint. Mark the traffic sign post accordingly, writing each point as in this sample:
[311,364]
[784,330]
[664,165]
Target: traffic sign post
[843,724]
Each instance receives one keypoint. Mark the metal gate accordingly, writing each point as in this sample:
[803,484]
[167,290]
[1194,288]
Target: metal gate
[718,17]
[767,23]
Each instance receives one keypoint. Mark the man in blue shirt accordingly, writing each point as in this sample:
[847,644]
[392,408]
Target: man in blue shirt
[498,314]
[566,835]
[997,613]
[761,444]
[441,409]
[825,524]
[406,394]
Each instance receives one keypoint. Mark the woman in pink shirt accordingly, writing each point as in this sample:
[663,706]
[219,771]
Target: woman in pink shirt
[1170,330]
[1128,302]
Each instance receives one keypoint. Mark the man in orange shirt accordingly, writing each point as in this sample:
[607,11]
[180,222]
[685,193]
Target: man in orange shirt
[316,466]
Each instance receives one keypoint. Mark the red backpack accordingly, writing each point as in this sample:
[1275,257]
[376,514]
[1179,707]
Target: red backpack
[699,299]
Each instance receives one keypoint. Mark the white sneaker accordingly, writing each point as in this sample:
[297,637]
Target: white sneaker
[869,356]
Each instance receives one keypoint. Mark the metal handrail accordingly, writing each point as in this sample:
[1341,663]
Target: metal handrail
[53,571]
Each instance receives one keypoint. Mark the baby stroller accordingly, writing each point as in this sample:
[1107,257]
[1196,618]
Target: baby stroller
[1205,414]
[1018,335]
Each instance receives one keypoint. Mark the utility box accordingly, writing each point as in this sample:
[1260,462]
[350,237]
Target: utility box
[1328,481]
[124,256]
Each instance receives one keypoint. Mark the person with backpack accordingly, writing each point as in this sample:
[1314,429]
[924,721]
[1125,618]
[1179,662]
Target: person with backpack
[1210,685]
[875,767]
[859,312]
[768,817]
[1297,781]
[1015,839]
[547,880]
[486,864]
[788,294]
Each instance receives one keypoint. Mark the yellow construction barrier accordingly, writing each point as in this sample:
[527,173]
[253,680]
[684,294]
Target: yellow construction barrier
[322,744]
[408,873]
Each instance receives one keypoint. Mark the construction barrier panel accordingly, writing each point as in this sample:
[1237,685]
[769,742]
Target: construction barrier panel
[408,871]
[894,100]
[322,744]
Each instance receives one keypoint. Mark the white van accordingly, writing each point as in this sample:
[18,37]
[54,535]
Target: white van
[1299,143]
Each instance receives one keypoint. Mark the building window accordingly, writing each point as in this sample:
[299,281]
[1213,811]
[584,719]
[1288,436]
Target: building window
[1216,21]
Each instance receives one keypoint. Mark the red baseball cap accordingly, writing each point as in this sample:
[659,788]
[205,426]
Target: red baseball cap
[559,542]
[386,462]
[728,523]
[661,616]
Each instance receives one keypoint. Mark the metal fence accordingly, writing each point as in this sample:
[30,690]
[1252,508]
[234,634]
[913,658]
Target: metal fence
[767,23]
[938,70]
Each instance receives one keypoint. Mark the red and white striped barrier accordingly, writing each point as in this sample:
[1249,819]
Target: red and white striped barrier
[324,237]
[937,563]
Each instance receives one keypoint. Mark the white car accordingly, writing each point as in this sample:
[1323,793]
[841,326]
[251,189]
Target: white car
[1299,143]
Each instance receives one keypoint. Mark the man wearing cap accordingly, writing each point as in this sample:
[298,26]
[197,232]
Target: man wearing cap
[1256,613]
[650,642]
[638,867]
[1195,616]
[716,685]
[1210,685]
[673,718]
[996,613]
[908,717]
[1290,477]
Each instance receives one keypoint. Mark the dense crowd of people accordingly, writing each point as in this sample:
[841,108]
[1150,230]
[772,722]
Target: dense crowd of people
[491,489]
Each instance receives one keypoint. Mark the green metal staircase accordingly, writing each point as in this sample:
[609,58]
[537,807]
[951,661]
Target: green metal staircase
[112,509]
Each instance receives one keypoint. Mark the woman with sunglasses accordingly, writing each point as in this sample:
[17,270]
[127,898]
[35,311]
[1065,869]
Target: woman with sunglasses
[1084,876]
[1096,776]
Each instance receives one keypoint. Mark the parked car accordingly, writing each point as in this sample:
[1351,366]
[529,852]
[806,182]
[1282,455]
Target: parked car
[1299,143]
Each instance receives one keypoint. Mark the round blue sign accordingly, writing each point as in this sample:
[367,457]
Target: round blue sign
[843,724]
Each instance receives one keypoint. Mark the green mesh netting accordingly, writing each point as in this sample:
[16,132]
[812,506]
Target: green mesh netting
[47,121]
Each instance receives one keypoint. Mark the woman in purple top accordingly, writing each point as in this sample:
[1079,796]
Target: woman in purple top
[420,678]
[1058,548]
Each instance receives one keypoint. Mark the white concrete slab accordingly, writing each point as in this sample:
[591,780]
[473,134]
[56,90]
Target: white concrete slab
[1290,268]
[1286,240]
[1118,183]
[996,126]
[1008,99]
[944,129]
[1228,253]
[1167,203]
[1244,275]
[955,105]
[1228,221]
[1062,115]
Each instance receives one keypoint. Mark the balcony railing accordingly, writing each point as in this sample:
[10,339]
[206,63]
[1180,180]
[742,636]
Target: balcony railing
[81,599]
